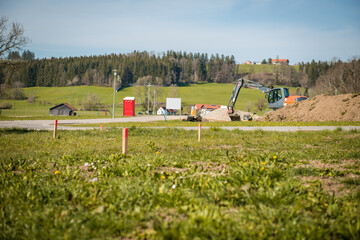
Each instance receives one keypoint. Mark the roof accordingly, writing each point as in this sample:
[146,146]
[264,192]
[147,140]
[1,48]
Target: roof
[279,60]
[207,106]
[66,104]
[129,98]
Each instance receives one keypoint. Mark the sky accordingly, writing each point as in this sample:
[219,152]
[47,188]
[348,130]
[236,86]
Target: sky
[299,30]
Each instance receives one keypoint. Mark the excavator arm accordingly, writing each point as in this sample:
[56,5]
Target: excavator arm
[234,95]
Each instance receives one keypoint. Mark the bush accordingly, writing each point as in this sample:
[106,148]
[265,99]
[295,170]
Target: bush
[31,98]
[5,105]
[91,103]
[261,104]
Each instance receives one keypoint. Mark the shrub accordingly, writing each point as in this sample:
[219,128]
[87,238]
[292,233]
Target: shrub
[5,105]
[31,98]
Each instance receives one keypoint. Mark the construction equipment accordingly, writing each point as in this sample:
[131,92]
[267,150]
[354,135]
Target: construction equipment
[276,97]
[196,114]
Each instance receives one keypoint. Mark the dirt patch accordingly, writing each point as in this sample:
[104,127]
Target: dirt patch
[171,169]
[344,165]
[329,184]
[332,185]
[221,115]
[344,107]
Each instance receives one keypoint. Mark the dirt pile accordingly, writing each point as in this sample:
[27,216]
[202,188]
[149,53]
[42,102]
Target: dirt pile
[221,115]
[345,107]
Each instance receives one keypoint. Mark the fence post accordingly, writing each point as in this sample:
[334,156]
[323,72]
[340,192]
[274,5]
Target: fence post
[55,128]
[124,140]
[199,132]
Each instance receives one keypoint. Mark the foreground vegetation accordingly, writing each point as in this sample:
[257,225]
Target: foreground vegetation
[231,185]
[177,123]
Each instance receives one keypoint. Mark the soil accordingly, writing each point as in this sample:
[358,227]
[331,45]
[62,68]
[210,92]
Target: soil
[344,107]
[333,185]
[221,115]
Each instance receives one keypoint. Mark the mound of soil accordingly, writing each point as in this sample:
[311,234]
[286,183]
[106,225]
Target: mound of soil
[345,107]
[221,115]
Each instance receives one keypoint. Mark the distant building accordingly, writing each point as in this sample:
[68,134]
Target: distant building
[280,61]
[63,109]
[163,110]
[248,62]
[207,106]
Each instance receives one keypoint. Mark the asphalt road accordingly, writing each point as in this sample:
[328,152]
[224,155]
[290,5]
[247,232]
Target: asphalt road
[49,124]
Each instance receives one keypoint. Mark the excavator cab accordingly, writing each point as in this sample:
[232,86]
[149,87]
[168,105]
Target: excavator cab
[276,97]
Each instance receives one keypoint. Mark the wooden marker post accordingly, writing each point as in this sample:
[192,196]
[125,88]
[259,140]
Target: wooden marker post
[55,128]
[100,127]
[199,132]
[124,140]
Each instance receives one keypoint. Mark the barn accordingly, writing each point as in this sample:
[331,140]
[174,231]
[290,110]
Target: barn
[63,109]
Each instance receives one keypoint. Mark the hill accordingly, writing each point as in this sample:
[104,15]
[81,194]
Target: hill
[210,93]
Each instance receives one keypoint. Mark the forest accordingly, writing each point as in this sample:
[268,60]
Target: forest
[170,68]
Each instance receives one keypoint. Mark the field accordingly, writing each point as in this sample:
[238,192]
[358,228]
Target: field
[47,97]
[231,185]
[245,68]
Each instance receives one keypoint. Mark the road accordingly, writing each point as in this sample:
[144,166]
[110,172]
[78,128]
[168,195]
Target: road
[49,124]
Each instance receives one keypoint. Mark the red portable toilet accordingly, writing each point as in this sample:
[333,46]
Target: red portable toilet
[129,106]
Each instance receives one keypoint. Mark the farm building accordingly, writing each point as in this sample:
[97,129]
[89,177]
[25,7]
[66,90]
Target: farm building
[63,109]
[280,61]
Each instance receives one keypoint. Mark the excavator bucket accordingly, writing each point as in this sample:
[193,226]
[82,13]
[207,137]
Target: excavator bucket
[235,117]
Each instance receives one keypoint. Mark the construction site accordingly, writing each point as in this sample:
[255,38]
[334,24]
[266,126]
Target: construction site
[283,107]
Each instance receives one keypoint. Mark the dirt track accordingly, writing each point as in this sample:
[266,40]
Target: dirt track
[48,124]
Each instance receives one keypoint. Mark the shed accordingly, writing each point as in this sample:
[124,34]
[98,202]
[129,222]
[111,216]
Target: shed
[63,109]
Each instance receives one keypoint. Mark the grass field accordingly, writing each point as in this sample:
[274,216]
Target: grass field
[47,97]
[231,185]
[246,68]
[177,123]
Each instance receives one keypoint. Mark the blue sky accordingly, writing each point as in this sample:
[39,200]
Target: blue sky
[300,30]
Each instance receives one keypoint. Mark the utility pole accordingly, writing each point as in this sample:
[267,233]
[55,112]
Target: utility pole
[149,85]
[113,116]
[154,107]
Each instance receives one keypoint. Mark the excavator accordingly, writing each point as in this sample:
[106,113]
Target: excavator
[276,97]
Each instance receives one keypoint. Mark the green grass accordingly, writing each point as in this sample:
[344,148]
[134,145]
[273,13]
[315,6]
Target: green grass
[231,185]
[245,68]
[177,123]
[192,94]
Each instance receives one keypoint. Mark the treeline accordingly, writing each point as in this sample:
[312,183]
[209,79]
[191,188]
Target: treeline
[171,68]
[166,69]
[335,77]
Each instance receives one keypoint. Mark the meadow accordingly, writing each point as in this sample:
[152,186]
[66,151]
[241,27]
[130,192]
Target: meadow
[231,185]
[47,97]
[263,68]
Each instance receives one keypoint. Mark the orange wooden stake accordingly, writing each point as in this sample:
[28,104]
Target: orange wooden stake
[199,132]
[124,140]
[55,128]
[100,127]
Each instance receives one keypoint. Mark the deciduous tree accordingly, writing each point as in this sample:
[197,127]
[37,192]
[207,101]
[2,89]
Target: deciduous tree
[11,37]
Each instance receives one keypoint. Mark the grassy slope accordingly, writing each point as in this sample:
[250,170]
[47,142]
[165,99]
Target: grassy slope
[192,94]
[245,68]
